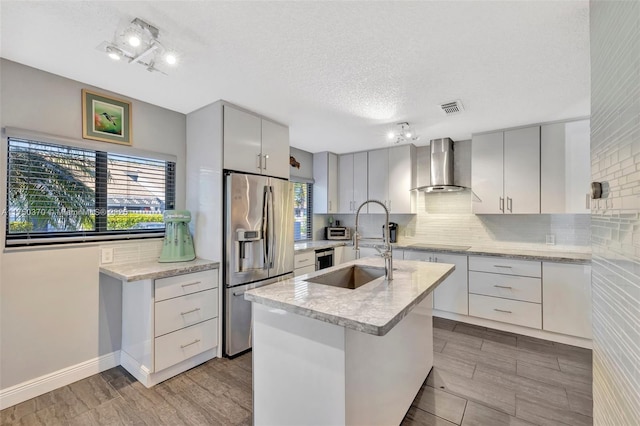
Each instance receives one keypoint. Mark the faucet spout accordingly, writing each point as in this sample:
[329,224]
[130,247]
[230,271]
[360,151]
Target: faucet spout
[386,251]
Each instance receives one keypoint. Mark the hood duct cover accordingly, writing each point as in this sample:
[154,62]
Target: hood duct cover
[441,167]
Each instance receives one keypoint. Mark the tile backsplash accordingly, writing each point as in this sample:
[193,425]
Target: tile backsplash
[134,251]
[447,219]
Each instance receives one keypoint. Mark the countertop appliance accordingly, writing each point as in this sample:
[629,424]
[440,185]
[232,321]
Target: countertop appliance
[324,258]
[258,224]
[178,244]
[337,233]
[393,232]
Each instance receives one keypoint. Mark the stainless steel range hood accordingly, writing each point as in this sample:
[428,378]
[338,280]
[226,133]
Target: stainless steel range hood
[441,167]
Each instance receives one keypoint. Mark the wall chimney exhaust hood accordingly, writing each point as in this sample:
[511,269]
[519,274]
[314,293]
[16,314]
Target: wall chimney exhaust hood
[441,167]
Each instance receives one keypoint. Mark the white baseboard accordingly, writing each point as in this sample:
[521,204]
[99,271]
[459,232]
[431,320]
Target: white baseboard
[43,384]
[511,328]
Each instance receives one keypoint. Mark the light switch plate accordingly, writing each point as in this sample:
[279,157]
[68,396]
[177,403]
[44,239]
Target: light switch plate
[106,256]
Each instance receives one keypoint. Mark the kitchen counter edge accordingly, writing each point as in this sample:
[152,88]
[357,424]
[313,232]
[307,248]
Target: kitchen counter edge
[152,270]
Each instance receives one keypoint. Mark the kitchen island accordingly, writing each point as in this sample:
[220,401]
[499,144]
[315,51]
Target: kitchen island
[328,355]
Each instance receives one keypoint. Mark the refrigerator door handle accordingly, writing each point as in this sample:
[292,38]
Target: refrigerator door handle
[265,228]
[270,224]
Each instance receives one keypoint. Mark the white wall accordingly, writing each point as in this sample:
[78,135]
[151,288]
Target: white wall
[615,161]
[55,312]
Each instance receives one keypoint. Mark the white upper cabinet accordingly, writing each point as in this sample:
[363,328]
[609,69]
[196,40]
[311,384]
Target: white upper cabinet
[565,167]
[392,174]
[352,175]
[255,145]
[378,179]
[505,172]
[275,149]
[325,186]
[487,176]
[242,141]
[522,170]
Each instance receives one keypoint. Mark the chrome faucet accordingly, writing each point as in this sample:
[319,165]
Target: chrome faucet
[385,251]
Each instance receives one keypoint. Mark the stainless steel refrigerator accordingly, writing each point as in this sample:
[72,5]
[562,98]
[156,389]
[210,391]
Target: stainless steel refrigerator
[258,224]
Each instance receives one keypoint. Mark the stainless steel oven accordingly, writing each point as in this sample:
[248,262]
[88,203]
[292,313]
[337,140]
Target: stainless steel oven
[324,258]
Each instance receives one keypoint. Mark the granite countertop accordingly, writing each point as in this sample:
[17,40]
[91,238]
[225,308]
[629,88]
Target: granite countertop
[305,246]
[374,308]
[153,270]
[523,254]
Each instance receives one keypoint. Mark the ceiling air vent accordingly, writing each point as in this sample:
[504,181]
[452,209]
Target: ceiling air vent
[453,107]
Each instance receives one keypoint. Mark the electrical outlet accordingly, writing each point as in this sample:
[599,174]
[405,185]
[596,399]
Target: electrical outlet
[551,239]
[106,256]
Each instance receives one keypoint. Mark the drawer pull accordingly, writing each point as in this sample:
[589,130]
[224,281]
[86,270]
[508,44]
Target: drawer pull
[190,312]
[303,260]
[503,286]
[189,344]
[502,266]
[501,310]
[190,284]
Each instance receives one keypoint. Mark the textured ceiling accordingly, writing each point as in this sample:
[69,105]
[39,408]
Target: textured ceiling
[340,74]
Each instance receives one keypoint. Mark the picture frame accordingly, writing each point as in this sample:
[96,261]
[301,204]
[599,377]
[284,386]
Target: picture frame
[105,118]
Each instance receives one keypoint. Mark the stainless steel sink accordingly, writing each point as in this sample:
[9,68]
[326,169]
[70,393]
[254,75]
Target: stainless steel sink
[350,277]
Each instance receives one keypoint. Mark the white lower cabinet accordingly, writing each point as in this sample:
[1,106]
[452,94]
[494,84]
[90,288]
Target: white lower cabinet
[304,263]
[506,290]
[567,299]
[451,295]
[169,325]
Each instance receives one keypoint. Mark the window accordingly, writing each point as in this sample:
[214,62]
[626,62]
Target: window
[302,211]
[58,193]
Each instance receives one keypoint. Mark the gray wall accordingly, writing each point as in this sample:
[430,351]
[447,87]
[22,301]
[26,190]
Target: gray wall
[54,310]
[615,160]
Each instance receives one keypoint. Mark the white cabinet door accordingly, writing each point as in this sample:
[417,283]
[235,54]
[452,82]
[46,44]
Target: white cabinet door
[325,186]
[522,171]
[565,168]
[378,179]
[275,149]
[360,179]
[487,173]
[242,141]
[402,174]
[566,299]
[345,186]
[452,294]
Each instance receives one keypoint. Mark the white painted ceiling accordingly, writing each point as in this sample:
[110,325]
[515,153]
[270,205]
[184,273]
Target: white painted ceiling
[340,74]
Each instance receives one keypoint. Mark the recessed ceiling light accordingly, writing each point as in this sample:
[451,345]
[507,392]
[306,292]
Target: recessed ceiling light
[134,41]
[113,53]
[170,58]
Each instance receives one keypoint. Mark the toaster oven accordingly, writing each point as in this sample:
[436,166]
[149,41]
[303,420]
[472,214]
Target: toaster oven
[337,233]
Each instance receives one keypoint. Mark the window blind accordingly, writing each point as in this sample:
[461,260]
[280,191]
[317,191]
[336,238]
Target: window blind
[58,193]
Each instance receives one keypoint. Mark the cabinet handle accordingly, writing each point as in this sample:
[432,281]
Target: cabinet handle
[503,286]
[259,161]
[190,312]
[501,310]
[190,284]
[304,260]
[435,259]
[502,266]
[329,206]
[501,205]
[238,294]
[266,157]
[189,344]
[510,204]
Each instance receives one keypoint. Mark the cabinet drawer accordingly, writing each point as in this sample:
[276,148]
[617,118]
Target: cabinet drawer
[527,289]
[512,311]
[304,270]
[304,259]
[500,265]
[179,285]
[175,347]
[179,312]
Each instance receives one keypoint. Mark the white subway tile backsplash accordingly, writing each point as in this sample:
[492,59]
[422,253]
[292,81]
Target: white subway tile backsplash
[135,251]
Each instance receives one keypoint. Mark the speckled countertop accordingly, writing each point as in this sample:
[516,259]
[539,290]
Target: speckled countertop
[155,270]
[305,246]
[375,308]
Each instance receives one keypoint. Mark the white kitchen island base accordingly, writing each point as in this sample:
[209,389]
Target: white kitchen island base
[310,372]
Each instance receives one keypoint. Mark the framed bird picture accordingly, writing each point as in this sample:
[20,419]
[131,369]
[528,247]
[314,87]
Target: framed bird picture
[105,118]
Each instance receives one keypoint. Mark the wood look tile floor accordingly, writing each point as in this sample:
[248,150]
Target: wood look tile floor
[481,377]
